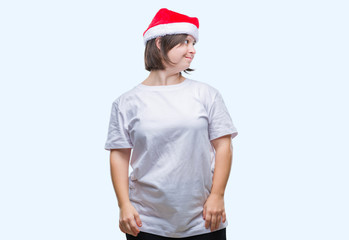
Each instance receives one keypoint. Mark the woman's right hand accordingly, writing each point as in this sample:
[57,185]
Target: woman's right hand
[129,220]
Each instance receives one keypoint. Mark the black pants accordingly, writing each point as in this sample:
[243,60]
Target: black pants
[216,235]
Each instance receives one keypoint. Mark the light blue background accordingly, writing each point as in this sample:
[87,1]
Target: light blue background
[281,66]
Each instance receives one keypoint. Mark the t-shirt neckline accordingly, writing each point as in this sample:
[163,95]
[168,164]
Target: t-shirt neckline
[164,87]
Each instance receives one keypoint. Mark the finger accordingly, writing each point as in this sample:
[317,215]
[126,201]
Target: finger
[224,217]
[123,224]
[128,228]
[219,219]
[213,222]
[121,228]
[207,220]
[134,228]
[138,220]
[204,213]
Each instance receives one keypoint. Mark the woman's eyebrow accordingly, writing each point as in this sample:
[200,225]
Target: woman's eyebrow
[190,39]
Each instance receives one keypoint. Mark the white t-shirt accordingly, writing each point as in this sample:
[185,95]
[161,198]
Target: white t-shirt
[169,129]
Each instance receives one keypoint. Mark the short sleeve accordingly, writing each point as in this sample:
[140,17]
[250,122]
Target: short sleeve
[118,136]
[220,122]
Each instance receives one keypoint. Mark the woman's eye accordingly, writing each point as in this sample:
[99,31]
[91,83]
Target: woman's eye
[186,42]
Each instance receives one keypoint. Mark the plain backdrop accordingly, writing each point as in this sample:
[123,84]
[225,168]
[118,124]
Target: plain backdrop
[281,67]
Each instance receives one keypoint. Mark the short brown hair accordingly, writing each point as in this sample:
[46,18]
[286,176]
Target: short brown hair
[153,56]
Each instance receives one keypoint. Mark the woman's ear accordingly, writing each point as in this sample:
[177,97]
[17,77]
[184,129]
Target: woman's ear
[157,42]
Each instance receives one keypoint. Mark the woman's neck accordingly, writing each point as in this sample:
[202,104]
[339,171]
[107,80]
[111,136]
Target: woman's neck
[160,78]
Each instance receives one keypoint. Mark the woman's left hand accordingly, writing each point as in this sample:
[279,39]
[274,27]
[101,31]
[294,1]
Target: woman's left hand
[214,211]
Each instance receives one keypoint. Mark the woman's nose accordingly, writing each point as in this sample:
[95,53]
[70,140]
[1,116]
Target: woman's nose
[192,49]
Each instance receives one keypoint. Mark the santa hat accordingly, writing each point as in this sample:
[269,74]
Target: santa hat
[169,22]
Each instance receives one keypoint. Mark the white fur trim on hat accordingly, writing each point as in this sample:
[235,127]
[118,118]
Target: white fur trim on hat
[171,28]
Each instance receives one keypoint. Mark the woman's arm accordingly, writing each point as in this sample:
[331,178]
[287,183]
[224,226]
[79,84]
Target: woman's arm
[214,211]
[129,217]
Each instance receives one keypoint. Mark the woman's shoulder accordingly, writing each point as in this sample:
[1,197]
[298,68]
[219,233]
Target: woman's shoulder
[126,97]
[204,88]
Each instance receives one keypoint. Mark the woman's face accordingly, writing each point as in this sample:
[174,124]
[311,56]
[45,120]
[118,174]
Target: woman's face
[183,54]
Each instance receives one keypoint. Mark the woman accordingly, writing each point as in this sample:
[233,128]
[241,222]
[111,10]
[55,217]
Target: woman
[180,132]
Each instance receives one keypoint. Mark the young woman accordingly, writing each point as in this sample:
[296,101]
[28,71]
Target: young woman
[179,131]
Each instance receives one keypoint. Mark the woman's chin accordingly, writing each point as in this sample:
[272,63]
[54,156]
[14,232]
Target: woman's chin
[186,67]
[180,68]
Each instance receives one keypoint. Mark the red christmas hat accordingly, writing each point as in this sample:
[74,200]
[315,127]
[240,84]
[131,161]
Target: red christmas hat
[169,22]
